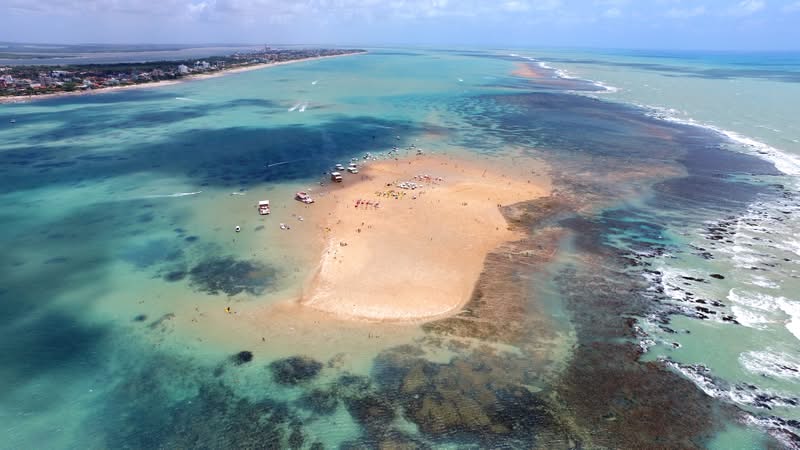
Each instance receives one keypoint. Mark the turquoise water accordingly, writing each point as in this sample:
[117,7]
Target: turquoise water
[120,259]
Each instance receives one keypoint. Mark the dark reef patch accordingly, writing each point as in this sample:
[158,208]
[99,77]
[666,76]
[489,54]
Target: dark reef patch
[242,357]
[480,397]
[142,412]
[231,276]
[498,309]
[295,370]
[175,275]
[320,401]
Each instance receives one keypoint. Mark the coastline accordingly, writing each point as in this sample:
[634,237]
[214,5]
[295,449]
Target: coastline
[417,256]
[202,76]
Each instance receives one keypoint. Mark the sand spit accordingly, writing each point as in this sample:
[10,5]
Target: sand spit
[413,253]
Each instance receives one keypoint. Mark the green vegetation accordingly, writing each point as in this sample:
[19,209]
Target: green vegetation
[47,79]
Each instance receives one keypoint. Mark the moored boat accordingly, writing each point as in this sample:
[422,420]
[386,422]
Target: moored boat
[304,197]
[263,207]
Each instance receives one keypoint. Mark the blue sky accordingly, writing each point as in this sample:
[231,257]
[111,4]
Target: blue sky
[672,24]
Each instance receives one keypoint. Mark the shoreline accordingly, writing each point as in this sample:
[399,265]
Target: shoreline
[17,99]
[417,256]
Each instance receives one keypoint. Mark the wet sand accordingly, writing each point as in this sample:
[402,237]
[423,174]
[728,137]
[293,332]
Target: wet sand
[527,71]
[413,254]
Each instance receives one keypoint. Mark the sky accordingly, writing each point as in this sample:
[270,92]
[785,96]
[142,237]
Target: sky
[660,24]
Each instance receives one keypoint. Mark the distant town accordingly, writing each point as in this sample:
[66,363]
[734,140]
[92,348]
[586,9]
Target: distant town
[39,80]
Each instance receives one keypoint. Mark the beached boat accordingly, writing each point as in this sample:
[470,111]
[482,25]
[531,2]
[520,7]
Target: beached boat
[263,207]
[336,176]
[338,167]
[304,197]
[352,168]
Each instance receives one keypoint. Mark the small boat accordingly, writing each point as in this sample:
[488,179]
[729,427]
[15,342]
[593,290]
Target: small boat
[263,207]
[336,176]
[304,197]
[352,168]
[338,167]
[13,120]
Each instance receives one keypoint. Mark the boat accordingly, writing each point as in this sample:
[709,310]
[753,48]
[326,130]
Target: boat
[13,120]
[304,197]
[352,168]
[336,176]
[338,167]
[263,207]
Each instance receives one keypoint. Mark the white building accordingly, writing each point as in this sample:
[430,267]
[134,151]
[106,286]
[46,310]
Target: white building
[183,70]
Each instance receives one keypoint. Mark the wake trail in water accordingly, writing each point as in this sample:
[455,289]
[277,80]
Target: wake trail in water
[175,195]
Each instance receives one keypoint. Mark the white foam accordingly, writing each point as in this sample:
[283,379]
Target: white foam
[748,318]
[769,363]
[177,194]
[764,282]
[792,309]
[785,162]
[755,300]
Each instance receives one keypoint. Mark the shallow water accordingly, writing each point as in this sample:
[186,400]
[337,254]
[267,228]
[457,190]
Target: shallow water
[121,257]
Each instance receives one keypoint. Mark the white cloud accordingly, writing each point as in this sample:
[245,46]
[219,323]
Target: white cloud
[685,13]
[747,7]
[792,7]
[612,13]
[515,5]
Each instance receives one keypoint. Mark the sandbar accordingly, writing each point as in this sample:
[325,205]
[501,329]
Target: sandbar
[394,254]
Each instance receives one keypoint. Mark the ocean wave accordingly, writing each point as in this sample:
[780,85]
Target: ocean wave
[566,75]
[740,393]
[762,282]
[770,304]
[783,161]
[748,318]
[754,300]
[772,364]
[791,309]
[784,431]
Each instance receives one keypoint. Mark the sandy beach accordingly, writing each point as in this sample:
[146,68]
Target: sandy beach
[196,77]
[525,70]
[394,254]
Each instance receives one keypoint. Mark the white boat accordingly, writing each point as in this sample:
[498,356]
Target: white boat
[304,197]
[263,207]
[338,167]
[352,168]
[336,176]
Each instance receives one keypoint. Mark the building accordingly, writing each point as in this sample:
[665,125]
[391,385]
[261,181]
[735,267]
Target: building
[183,70]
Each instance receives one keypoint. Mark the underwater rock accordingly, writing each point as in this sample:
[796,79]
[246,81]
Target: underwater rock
[231,276]
[371,411]
[174,276]
[242,357]
[161,320]
[295,370]
[140,318]
[296,438]
[717,276]
[320,401]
